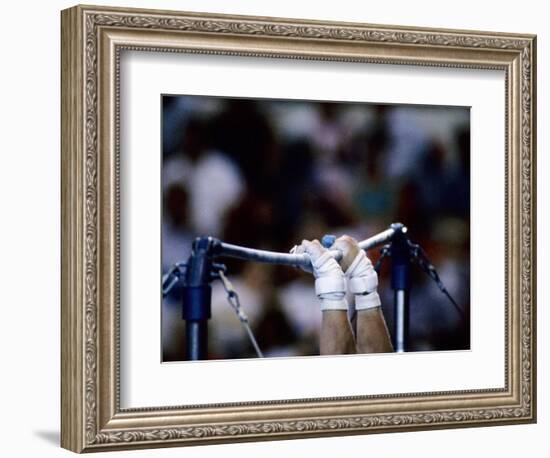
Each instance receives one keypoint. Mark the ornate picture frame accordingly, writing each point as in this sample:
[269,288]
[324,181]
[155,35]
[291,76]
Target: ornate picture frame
[93,39]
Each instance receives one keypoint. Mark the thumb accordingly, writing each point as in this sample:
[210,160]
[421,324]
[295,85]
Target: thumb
[313,248]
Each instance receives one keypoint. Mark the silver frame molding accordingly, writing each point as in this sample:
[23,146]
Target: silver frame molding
[92,40]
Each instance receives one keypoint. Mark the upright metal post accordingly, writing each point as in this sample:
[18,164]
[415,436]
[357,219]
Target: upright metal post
[400,282]
[197,294]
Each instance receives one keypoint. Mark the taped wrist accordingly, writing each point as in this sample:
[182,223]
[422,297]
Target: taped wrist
[330,283]
[367,301]
[331,292]
[334,304]
[361,275]
[363,281]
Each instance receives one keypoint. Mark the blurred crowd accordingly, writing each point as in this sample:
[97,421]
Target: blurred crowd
[269,173]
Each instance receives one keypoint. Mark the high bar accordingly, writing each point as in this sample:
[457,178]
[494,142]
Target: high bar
[299,260]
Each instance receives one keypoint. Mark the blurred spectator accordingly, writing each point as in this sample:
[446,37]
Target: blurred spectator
[212,179]
[374,195]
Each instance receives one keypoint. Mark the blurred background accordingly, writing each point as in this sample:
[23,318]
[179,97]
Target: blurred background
[270,173]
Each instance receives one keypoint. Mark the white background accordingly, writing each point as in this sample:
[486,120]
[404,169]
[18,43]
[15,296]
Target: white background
[29,242]
[145,76]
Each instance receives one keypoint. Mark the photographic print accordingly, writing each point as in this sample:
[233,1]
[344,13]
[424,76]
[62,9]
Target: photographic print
[280,228]
[311,177]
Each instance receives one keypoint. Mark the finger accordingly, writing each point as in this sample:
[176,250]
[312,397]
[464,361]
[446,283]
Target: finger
[297,249]
[313,248]
[349,248]
[346,239]
[342,245]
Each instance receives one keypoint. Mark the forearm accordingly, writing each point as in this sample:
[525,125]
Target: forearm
[336,335]
[372,332]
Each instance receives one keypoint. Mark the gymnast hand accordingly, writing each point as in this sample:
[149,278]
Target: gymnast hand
[372,334]
[362,279]
[330,283]
[336,336]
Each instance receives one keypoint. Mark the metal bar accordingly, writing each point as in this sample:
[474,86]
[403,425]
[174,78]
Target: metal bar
[401,284]
[196,338]
[379,239]
[297,260]
[401,320]
[197,294]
